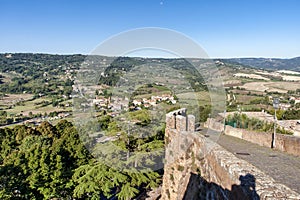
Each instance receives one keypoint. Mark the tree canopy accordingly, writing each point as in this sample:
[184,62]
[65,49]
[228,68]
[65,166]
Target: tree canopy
[51,162]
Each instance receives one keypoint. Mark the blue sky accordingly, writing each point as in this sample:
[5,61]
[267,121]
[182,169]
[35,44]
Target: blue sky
[224,28]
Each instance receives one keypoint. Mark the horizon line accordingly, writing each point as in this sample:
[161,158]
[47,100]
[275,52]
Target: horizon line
[146,57]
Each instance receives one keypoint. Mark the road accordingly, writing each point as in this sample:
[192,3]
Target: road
[21,122]
[283,167]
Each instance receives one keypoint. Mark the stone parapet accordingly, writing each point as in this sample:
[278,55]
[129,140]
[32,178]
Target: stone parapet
[180,121]
[286,143]
[198,168]
[190,123]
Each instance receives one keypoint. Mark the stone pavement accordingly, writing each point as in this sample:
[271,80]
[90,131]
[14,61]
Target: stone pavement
[282,167]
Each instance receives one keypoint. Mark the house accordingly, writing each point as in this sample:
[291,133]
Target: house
[297,100]
[284,106]
[63,115]
[8,55]
[102,102]
[147,105]
[173,101]
[137,102]
[292,98]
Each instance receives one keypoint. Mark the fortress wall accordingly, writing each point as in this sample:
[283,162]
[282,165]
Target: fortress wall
[288,143]
[197,168]
[285,143]
[213,124]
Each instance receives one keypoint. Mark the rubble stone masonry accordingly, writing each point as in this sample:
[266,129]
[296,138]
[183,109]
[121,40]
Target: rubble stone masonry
[197,168]
[285,143]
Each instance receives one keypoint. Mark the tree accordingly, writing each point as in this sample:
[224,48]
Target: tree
[52,162]
[46,129]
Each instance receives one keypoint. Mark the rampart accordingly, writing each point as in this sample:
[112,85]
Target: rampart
[285,143]
[197,168]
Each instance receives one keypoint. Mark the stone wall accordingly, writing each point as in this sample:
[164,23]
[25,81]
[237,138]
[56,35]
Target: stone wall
[197,168]
[214,125]
[285,143]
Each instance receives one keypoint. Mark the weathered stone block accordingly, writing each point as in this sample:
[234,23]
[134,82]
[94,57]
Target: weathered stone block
[180,123]
[191,123]
[197,168]
[170,121]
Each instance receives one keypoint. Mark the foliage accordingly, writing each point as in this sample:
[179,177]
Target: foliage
[51,162]
[122,65]
[243,121]
[141,116]
[204,112]
[290,114]
[38,73]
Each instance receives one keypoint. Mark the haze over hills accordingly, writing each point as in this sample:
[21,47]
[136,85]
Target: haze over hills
[269,63]
[264,63]
[121,100]
[43,97]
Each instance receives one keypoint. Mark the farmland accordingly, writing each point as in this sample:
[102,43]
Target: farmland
[28,93]
[56,98]
[280,87]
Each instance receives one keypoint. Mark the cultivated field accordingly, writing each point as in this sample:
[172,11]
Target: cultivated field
[281,87]
[200,96]
[291,78]
[10,99]
[251,76]
[34,107]
[288,72]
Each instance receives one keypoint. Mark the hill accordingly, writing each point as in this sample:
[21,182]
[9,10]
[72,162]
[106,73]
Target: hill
[268,63]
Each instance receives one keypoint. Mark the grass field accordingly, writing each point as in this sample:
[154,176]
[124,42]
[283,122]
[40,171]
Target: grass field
[155,90]
[251,76]
[8,76]
[202,96]
[194,98]
[245,99]
[10,99]
[31,106]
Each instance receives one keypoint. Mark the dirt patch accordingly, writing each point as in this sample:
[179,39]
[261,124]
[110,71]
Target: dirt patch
[251,76]
[256,86]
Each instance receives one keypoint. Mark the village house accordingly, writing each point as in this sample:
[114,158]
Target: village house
[284,106]
[154,100]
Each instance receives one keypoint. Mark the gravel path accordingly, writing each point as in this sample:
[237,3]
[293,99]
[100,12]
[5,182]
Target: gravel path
[283,167]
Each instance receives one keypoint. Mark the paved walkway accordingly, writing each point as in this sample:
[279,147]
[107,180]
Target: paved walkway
[283,167]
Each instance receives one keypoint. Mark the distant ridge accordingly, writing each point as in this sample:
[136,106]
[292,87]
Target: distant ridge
[268,63]
[263,63]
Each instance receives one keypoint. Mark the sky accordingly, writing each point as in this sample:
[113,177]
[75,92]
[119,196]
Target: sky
[223,28]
